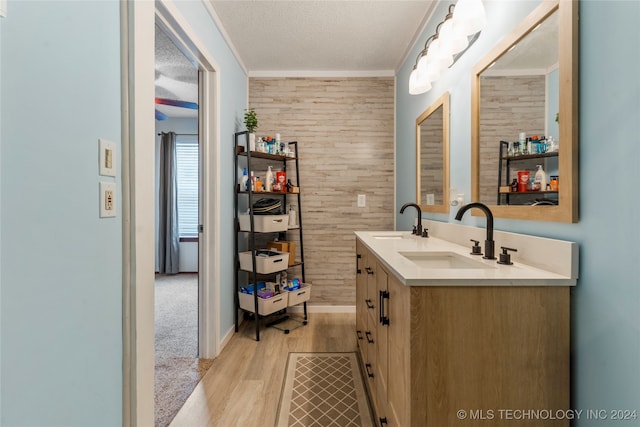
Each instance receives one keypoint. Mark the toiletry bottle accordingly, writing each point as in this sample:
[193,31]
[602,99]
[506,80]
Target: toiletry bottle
[268,183]
[514,185]
[522,140]
[540,182]
[258,184]
[253,182]
[292,217]
[244,180]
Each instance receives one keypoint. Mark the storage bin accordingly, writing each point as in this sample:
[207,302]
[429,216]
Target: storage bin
[265,306]
[273,262]
[301,295]
[264,223]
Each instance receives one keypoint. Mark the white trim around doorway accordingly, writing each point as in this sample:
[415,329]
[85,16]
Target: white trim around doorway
[138,128]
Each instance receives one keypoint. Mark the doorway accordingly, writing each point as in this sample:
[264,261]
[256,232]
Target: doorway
[138,128]
[178,367]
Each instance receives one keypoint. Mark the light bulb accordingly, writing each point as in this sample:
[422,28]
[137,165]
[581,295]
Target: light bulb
[469,17]
[417,85]
[428,69]
[455,41]
[440,53]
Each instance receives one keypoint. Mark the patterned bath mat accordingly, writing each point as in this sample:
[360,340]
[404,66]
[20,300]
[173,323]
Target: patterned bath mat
[323,390]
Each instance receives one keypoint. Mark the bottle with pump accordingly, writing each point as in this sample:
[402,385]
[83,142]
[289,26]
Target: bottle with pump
[540,180]
[244,180]
[268,180]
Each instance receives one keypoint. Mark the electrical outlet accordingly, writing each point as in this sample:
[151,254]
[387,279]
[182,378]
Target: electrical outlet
[362,200]
[107,199]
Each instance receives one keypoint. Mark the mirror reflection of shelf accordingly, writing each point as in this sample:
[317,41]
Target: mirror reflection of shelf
[524,193]
[530,156]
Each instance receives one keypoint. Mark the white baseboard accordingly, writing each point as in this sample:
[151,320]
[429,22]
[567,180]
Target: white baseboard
[227,337]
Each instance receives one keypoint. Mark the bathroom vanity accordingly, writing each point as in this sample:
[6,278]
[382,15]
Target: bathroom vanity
[448,338]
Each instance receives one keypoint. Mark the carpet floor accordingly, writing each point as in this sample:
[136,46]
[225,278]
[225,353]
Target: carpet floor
[322,390]
[177,368]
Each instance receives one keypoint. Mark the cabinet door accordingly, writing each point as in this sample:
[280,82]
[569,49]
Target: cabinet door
[398,346]
[382,334]
[361,296]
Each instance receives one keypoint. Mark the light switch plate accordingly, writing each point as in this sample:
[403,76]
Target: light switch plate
[107,199]
[107,157]
[362,200]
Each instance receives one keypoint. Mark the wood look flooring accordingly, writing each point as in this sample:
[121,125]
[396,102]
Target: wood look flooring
[243,386]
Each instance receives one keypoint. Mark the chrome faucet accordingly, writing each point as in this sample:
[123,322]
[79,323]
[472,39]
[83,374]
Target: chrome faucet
[418,229]
[489,244]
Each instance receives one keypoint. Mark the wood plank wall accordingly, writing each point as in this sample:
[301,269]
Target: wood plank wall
[345,133]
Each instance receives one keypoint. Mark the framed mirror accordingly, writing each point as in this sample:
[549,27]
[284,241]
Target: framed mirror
[524,100]
[432,157]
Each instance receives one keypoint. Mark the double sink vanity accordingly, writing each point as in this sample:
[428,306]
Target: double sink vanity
[449,338]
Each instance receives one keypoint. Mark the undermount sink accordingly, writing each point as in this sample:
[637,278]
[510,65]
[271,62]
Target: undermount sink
[388,236]
[443,260]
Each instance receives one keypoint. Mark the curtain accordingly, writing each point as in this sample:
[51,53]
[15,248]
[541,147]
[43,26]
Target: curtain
[168,236]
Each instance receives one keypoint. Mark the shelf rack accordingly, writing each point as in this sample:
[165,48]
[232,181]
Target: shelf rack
[242,151]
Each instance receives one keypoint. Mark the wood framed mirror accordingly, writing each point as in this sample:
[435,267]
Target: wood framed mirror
[432,157]
[528,83]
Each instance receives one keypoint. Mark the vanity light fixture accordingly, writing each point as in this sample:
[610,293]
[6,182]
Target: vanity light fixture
[459,30]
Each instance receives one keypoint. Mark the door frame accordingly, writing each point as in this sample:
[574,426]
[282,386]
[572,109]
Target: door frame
[138,21]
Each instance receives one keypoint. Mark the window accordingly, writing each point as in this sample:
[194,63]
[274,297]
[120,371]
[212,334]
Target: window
[187,171]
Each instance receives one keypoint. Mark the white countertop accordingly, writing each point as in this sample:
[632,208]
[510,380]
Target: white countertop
[387,246]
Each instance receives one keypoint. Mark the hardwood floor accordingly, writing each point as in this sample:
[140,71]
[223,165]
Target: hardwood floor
[242,387]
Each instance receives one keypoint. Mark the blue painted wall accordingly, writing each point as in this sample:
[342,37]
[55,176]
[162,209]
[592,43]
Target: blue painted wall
[605,321]
[233,101]
[61,266]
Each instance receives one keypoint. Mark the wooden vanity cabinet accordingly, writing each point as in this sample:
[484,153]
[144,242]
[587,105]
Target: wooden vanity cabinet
[366,327]
[487,350]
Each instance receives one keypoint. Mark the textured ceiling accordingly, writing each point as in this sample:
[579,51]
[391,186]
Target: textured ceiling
[300,37]
[316,36]
[176,77]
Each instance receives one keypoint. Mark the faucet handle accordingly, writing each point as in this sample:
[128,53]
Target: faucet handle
[415,230]
[505,257]
[425,232]
[476,249]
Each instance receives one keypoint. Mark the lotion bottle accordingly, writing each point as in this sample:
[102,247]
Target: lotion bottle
[269,180]
[243,182]
[540,179]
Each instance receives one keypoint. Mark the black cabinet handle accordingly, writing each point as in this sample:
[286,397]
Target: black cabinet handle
[383,319]
[369,303]
[358,271]
[383,420]
[359,334]
[369,270]
[369,337]
[368,369]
